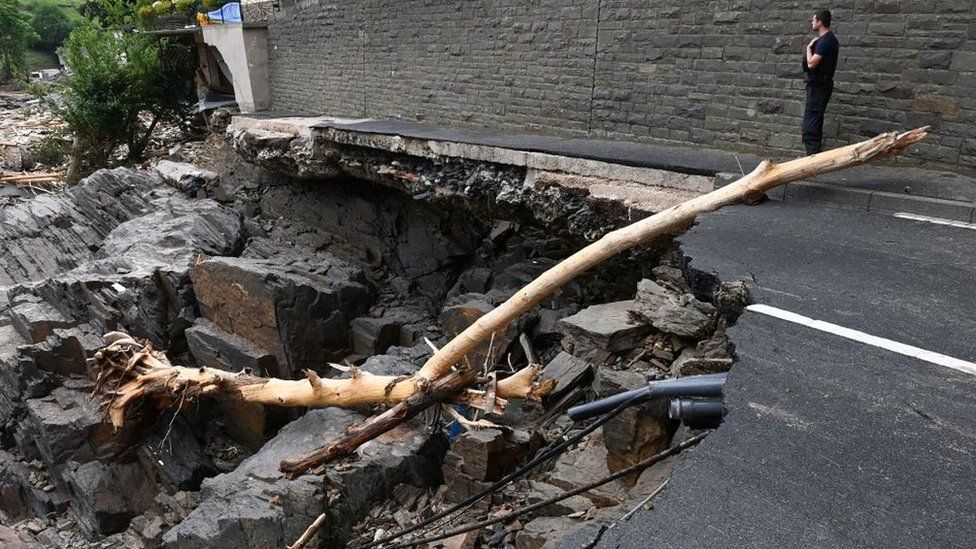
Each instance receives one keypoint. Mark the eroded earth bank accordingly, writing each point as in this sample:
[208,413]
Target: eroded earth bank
[292,262]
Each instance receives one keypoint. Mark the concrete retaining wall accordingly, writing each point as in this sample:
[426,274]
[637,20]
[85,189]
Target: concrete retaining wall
[721,74]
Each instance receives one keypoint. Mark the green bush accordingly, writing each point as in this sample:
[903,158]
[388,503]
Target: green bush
[15,35]
[120,88]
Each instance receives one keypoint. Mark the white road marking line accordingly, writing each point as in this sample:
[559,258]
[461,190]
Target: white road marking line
[861,337]
[936,220]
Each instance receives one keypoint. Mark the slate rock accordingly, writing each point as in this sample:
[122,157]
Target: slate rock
[300,313]
[543,532]
[185,177]
[64,351]
[679,314]
[372,336]
[474,280]
[254,506]
[66,425]
[52,233]
[584,464]
[469,308]
[35,319]
[606,327]
[215,348]
[639,431]
[108,496]
[490,454]
[543,491]
[569,372]
[174,456]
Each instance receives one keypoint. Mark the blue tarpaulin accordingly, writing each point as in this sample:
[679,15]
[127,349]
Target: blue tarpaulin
[229,13]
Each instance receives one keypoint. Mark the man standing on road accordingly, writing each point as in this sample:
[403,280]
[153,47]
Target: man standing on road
[819,63]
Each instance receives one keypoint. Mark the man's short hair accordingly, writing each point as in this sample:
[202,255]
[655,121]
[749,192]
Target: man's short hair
[823,16]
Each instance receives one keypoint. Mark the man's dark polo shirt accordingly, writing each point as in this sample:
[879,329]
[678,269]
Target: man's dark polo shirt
[828,47]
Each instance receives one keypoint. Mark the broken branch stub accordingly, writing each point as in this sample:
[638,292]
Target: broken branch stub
[764,177]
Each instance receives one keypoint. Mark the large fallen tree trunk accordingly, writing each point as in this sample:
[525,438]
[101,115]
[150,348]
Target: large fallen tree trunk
[766,176]
[129,373]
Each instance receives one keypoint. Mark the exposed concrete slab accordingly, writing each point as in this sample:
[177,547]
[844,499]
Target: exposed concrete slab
[334,130]
[245,50]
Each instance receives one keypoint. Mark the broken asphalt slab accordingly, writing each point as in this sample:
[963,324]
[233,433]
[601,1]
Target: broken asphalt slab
[830,442]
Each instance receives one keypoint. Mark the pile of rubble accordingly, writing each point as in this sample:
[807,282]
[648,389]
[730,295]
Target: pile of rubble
[237,268]
[24,125]
[34,145]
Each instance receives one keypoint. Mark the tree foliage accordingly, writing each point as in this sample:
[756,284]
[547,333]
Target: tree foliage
[120,87]
[15,35]
[53,21]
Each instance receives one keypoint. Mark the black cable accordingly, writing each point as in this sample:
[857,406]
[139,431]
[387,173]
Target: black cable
[640,466]
[500,483]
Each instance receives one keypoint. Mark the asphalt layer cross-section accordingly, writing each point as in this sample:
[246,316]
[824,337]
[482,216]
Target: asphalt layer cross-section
[830,442]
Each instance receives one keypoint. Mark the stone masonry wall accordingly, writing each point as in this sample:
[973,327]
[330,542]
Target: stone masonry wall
[722,74]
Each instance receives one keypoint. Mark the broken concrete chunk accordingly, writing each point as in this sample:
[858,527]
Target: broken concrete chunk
[607,327]
[731,298]
[681,315]
[185,177]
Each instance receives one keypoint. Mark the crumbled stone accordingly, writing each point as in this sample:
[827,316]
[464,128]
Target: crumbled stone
[681,315]
[607,327]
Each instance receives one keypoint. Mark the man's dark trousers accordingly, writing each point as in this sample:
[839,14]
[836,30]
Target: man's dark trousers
[813,115]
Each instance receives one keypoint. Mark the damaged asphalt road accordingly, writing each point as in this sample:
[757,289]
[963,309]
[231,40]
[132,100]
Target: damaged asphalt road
[832,442]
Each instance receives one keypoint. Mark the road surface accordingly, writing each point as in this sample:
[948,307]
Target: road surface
[833,440]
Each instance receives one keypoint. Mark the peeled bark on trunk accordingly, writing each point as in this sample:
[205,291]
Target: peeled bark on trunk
[130,372]
[765,177]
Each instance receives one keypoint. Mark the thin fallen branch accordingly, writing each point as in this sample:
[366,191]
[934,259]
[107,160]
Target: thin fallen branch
[309,533]
[766,176]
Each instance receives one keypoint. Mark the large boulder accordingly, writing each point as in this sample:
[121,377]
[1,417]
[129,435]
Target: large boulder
[52,233]
[254,506]
[300,312]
